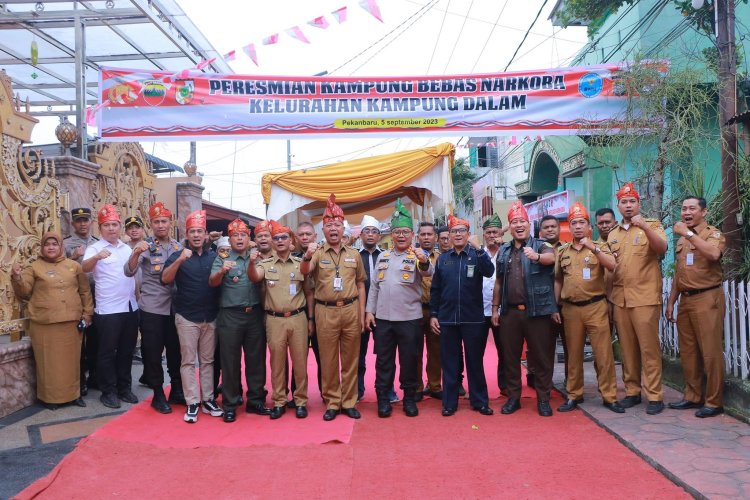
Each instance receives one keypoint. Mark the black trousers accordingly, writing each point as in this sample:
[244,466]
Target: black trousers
[240,332]
[501,383]
[362,368]
[89,348]
[118,334]
[388,336]
[158,332]
[516,327]
[473,338]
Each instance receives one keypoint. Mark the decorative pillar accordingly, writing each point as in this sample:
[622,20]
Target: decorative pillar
[77,178]
[189,199]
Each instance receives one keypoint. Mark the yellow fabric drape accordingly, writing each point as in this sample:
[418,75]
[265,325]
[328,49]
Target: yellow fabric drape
[360,180]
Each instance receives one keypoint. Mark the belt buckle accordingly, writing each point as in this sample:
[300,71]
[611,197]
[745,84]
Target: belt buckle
[248,309]
[287,314]
[339,303]
[521,307]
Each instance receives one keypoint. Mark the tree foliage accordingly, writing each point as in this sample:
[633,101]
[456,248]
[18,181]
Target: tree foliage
[463,179]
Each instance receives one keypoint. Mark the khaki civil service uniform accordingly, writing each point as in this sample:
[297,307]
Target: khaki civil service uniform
[434,369]
[338,322]
[584,311]
[700,316]
[286,325]
[637,297]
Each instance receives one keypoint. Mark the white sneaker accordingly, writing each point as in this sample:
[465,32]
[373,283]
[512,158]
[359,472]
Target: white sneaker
[191,414]
[211,408]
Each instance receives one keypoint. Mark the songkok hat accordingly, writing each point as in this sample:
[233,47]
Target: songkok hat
[108,213]
[159,210]
[401,217]
[196,219]
[517,211]
[492,221]
[332,211]
[628,191]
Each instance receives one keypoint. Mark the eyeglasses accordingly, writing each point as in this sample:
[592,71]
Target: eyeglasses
[444,238]
[401,232]
[371,231]
[458,230]
[281,237]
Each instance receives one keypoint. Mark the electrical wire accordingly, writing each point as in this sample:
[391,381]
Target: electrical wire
[525,35]
[440,32]
[486,42]
[463,25]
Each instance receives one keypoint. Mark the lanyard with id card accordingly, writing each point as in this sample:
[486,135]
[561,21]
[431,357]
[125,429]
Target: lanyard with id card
[586,269]
[689,259]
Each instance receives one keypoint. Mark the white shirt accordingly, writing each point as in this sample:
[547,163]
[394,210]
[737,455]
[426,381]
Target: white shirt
[488,284]
[114,292]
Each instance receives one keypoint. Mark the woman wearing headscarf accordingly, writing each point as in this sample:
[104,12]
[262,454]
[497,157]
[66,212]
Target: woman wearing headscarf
[59,298]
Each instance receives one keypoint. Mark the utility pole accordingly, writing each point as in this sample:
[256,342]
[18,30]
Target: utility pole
[731,215]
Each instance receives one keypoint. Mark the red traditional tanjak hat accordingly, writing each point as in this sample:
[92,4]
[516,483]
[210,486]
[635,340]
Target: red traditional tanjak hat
[196,219]
[332,211]
[628,191]
[277,228]
[237,226]
[159,210]
[517,211]
[455,221]
[108,213]
[263,226]
[578,211]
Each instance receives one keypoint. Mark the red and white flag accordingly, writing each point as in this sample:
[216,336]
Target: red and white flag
[270,40]
[340,15]
[371,6]
[296,32]
[319,22]
[230,56]
[250,51]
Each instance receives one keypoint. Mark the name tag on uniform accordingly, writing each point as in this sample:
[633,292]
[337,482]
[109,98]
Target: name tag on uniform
[689,259]
[338,284]
[586,273]
[293,289]
[470,271]
[348,259]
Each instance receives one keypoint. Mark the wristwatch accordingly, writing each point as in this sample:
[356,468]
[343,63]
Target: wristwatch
[597,250]
[689,234]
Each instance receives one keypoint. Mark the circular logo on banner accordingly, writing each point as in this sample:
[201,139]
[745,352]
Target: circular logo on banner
[590,85]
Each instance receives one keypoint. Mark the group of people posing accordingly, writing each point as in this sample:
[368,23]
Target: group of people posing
[207,301]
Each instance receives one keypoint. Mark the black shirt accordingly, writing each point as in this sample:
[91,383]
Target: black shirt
[195,300]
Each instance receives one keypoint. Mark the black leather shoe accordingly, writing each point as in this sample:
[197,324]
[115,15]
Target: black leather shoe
[277,412]
[614,406]
[330,415]
[384,408]
[230,416]
[630,401]
[109,400]
[159,403]
[79,402]
[448,412]
[569,405]
[257,408]
[291,404]
[708,411]
[128,396]
[510,406]
[301,412]
[654,407]
[177,397]
[351,412]
[436,395]
[410,408]
[544,409]
[484,410]
[684,405]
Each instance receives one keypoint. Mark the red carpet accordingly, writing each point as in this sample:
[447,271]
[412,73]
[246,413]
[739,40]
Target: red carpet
[142,454]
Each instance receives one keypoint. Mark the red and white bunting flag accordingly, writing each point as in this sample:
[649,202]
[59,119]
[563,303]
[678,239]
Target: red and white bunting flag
[371,6]
[270,40]
[296,32]
[250,51]
[340,15]
[319,22]
[204,63]
[230,56]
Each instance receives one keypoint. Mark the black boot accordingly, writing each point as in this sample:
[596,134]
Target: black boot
[410,405]
[159,402]
[384,405]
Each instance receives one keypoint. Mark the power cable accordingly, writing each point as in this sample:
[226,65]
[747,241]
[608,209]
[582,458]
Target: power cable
[486,42]
[525,35]
[463,25]
[440,32]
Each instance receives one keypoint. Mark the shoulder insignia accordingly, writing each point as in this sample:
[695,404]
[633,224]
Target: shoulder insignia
[549,244]
[269,259]
[95,238]
[296,259]
[67,237]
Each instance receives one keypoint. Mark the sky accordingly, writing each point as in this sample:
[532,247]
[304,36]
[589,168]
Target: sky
[416,37]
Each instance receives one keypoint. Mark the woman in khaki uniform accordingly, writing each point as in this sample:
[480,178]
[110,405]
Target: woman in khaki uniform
[58,297]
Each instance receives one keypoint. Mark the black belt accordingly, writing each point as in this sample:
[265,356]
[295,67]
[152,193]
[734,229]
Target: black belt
[338,303]
[285,314]
[688,293]
[246,310]
[586,302]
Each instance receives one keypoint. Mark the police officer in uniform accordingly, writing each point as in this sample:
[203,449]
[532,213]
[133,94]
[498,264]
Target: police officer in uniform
[75,246]
[638,244]
[524,307]
[580,286]
[287,326]
[156,318]
[339,277]
[697,285]
[394,300]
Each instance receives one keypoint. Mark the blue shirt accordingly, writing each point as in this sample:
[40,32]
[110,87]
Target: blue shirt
[195,300]
[456,291]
